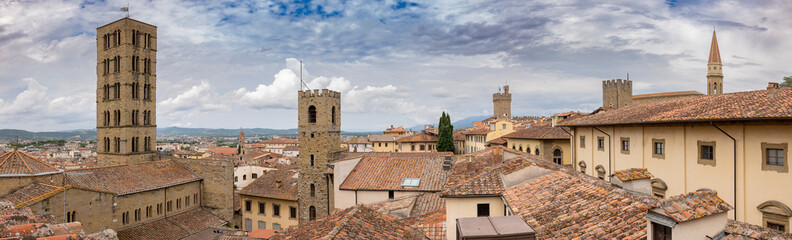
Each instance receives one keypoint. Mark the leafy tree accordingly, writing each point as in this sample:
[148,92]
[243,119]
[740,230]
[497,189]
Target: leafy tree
[787,82]
[445,134]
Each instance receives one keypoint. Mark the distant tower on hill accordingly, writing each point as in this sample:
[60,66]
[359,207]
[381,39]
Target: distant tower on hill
[714,69]
[241,145]
[126,114]
[502,103]
[319,123]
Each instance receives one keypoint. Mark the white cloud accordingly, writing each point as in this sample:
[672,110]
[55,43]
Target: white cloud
[200,98]
[36,105]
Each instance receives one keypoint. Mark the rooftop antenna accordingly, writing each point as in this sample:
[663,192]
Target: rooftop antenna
[628,75]
[302,83]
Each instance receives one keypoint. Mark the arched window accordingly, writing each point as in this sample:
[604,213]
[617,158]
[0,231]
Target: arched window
[600,171]
[311,114]
[582,166]
[536,151]
[659,188]
[513,147]
[332,115]
[775,215]
[312,160]
[521,149]
[715,88]
[557,156]
[313,190]
[311,213]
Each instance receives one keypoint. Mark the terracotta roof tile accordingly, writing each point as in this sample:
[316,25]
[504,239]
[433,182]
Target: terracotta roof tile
[693,205]
[276,184]
[743,231]
[539,132]
[632,174]
[388,171]
[569,205]
[410,206]
[750,105]
[480,173]
[421,137]
[358,222]
[478,131]
[359,140]
[174,227]
[223,150]
[29,192]
[281,141]
[432,224]
[123,179]
[384,138]
[19,163]
[667,94]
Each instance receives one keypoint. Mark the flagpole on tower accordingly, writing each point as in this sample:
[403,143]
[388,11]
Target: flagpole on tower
[126,9]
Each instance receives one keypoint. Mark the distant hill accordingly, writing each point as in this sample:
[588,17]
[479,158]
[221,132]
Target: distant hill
[458,124]
[84,134]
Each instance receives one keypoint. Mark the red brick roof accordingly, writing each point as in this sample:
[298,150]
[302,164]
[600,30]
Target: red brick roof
[124,179]
[771,104]
[291,148]
[743,231]
[223,150]
[281,141]
[19,163]
[276,184]
[693,205]
[387,171]
[570,205]
[421,137]
[667,94]
[632,174]
[539,132]
[358,222]
[174,227]
[398,129]
[29,192]
[431,224]
[410,206]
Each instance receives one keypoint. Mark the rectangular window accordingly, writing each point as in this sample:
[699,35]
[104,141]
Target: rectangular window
[195,198]
[148,211]
[276,227]
[178,204]
[601,143]
[774,157]
[187,201]
[483,209]
[169,206]
[582,141]
[248,224]
[390,194]
[625,145]
[706,153]
[276,210]
[159,208]
[423,147]
[292,213]
[660,232]
[775,226]
[658,148]
[262,225]
[248,206]
[262,207]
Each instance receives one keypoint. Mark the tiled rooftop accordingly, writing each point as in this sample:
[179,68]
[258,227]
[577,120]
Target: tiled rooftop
[276,184]
[223,150]
[29,192]
[693,205]
[410,206]
[539,132]
[358,222]
[19,163]
[630,174]
[124,179]
[21,224]
[667,94]
[420,137]
[359,140]
[174,227]
[743,231]
[281,141]
[384,138]
[431,224]
[771,104]
[387,171]
[478,131]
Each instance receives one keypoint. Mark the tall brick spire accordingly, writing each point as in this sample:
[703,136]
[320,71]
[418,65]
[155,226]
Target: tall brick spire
[714,69]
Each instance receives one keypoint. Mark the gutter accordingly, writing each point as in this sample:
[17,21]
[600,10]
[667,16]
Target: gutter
[735,167]
[609,150]
[679,121]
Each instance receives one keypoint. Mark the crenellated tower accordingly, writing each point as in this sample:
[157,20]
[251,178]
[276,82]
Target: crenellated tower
[714,69]
[126,113]
[502,103]
[616,93]
[319,124]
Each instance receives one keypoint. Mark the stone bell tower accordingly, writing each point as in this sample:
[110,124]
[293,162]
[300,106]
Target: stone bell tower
[319,123]
[714,69]
[502,103]
[126,102]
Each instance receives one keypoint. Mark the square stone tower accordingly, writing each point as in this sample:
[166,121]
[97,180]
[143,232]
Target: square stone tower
[319,123]
[126,83]
[502,103]
[616,93]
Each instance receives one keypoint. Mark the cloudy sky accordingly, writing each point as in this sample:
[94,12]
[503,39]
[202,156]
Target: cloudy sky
[234,64]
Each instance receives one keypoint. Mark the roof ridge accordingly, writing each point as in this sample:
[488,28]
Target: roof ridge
[39,160]
[41,197]
[342,224]
[6,158]
[479,176]
[91,168]
[23,162]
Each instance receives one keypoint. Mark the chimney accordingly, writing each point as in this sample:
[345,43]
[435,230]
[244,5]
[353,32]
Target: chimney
[447,163]
[772,85]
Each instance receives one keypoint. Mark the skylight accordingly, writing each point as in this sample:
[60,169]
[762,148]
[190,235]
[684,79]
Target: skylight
[411,182]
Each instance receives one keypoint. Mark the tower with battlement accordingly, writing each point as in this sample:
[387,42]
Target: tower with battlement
[616,93]
[126,114]
[502,104]
[319,129]
[714,69]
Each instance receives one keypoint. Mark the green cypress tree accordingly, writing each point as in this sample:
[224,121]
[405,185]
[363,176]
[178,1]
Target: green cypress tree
[445,134]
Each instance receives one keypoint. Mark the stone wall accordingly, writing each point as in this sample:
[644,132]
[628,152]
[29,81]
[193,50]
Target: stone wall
[92,209]
[502,103]
[177,195]
[217,187]
[318,140]
[11,184]
[616,93]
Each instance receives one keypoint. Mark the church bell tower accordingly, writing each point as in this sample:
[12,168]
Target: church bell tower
[714,69]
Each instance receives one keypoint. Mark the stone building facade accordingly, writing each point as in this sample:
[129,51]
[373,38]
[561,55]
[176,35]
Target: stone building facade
[502,103]
[616,93]
[319,121]
[126,125]
[217,187]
